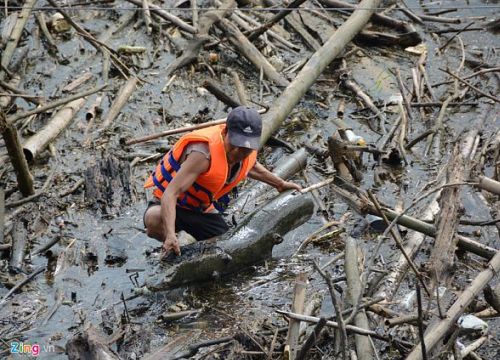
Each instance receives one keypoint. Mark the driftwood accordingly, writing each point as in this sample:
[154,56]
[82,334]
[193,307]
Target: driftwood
[15,35]
[285,168]
[207,20]
[249,51]
[297,307]
[364,348]
[435,333]
[21,284]
[254,34]
[121,99]
[54,104]
[249,243]
[442,253]
[19,242]
[17,157]
[78,81]
[311,340]
[178,131]
[294,21]
[38,142]
[215,89]
[315,66]
[411,35]
[89,344]
[167,16]
[240,89]
[488,184]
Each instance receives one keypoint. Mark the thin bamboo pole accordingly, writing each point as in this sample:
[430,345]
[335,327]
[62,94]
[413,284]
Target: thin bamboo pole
[315,66]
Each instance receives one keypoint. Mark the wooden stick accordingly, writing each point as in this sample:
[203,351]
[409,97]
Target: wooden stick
[78,81]
[21,284]
[147,16]
[471,86]
[488,184]
[38,142]
[316,186]
[435,333]
[248,50]
[55,104]
[364,349]
[315,66]
[215,89]
[167,16]
[297,307]
[179,130]
[240,89]
[40,18]
[15,35]
[338,311]
[349,328]
[35,195]
[420,321]
[311,340]
[121,99]
[17,157]
[254,34]
[19,241]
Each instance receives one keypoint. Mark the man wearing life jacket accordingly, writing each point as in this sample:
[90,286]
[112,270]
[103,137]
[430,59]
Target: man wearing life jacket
[193,181]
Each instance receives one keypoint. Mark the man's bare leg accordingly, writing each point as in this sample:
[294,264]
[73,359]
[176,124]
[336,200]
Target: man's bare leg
[153,223]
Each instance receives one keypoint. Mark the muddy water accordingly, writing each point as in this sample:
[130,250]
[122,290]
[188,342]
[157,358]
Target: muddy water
[89,289]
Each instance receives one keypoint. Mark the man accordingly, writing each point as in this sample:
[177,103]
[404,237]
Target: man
[194,179]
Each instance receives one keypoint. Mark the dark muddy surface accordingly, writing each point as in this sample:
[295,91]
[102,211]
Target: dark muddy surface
[104,255]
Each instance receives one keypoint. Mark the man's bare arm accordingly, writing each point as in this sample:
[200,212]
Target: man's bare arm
[195,164]
[259,172]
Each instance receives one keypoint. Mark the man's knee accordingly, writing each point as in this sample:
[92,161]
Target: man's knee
[152,224]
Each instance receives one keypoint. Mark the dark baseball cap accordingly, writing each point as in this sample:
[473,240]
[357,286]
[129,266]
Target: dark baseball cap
[244,127]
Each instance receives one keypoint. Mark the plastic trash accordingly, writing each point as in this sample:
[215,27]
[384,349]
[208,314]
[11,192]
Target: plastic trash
[471,323]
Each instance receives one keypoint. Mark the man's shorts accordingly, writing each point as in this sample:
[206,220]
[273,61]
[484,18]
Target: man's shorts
[201,226]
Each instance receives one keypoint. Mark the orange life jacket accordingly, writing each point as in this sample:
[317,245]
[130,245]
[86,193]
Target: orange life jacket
[210,189]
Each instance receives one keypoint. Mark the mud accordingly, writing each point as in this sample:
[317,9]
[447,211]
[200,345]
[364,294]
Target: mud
[104,254]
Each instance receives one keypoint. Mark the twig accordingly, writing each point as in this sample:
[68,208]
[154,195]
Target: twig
[420,321]
[311,340]
[21,284]
[338,310]
[471,86]
[316,186]
[455,35]
[34,196]
[55,104]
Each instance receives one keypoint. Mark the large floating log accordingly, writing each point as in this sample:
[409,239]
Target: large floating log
[250,243]
[38,142]
[315,66]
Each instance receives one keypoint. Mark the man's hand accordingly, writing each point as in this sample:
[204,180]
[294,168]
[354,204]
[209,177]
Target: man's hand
[288,185]
[170,244]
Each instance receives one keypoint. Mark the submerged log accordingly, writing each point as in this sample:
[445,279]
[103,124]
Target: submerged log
[250,243]
[19,241]
[315,66]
